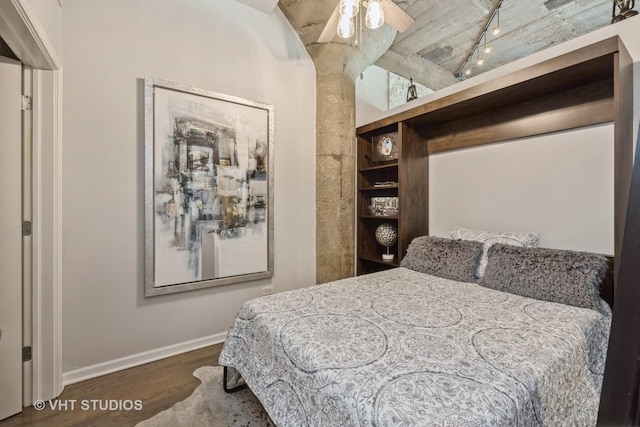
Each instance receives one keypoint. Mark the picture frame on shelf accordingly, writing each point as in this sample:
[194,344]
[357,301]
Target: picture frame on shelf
[384,147]
[383,206]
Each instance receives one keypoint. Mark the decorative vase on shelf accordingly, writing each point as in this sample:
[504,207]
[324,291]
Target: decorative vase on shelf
[387,235]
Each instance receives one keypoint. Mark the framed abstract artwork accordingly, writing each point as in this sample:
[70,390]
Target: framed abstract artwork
[208,188]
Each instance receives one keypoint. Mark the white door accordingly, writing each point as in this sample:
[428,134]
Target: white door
[10,237]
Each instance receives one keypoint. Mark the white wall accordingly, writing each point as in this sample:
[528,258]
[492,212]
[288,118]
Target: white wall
[221,46]
[559,185]
[372,93]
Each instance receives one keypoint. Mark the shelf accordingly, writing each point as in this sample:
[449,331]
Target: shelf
[378,260]
[388,187]
[408,176]
[380,167]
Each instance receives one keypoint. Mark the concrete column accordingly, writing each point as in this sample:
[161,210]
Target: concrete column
[337,67]
[335,176]
[337,64]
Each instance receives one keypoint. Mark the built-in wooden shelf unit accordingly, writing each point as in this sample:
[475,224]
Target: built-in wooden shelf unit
[588,86]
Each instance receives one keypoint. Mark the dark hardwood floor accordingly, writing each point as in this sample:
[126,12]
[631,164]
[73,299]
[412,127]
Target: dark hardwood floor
[157,385]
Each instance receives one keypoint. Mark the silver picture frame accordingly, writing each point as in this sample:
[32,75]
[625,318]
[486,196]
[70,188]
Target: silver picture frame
[208,188]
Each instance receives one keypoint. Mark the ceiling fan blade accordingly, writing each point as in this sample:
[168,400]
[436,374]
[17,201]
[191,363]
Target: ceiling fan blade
[396,17]
[329,30]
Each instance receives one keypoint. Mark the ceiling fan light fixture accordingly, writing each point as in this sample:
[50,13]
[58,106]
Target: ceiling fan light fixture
[346,27]
[375,15]
[349,8]
[348,18]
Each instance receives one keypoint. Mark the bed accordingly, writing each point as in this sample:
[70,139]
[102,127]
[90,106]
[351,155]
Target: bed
[412,346]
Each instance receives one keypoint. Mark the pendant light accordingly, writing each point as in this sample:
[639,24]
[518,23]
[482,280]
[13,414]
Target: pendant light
[346,27]
[375,15]
[349,8]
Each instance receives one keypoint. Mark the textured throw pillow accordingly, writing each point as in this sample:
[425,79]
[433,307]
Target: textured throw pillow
[451,259]
[489,238]
[566,277]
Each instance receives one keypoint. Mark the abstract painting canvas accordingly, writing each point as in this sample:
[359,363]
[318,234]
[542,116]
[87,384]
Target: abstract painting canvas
[208,188]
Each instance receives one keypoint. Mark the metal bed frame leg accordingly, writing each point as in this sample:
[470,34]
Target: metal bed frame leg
[225,387]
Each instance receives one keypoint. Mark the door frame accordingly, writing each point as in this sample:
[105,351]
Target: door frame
[22,30]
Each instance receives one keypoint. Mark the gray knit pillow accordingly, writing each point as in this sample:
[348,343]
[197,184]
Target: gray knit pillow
[566,277]
[489,238]
[451,259]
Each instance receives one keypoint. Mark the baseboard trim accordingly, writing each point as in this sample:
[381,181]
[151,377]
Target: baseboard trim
[93,371]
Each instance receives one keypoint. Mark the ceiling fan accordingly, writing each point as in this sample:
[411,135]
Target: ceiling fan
[381,11]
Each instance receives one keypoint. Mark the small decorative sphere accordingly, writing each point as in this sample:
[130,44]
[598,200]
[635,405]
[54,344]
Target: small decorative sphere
[386,234]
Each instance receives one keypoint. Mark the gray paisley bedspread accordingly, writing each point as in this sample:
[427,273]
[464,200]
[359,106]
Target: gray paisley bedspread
[401,348]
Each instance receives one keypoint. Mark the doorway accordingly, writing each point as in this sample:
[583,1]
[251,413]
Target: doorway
[22,30]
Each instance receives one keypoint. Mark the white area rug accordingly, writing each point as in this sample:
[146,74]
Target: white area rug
[209,405]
